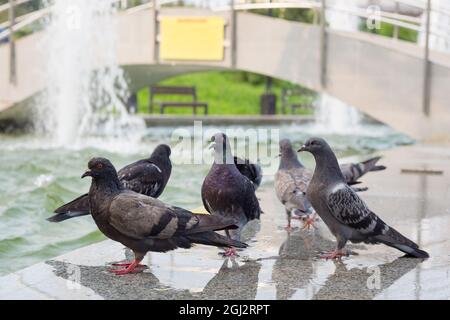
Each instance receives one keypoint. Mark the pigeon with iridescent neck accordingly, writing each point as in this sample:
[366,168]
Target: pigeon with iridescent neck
[228,193]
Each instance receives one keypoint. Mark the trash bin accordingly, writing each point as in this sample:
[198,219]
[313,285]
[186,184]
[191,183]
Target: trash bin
[132,104]
[268,103]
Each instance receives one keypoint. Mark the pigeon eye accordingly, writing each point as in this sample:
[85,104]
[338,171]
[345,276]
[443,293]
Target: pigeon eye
[99,166]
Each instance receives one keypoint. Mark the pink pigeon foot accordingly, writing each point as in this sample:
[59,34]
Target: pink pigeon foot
[134,267]
[126,264]
[336,254]
[230,252]
[308,223]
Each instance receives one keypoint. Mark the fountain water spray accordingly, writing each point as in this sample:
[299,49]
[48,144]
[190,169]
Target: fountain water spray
[86,87]
[332,114]
[337,117]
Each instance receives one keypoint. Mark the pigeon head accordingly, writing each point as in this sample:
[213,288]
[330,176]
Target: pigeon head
[100,168]
[316,146]
[222,149]
[288,157]
[162,150]
[286,148]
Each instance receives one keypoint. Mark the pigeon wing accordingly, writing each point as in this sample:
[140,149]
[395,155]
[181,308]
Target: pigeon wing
[250,204]
[353,171]
[138,216]
[348,208]
[250,170]
[291,186]
[142,177]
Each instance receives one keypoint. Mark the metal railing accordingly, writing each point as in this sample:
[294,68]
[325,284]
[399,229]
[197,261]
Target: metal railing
[396,19]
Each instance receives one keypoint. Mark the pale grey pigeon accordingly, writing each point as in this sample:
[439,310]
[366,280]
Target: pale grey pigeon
[292,179]
[291,182]
[343,211]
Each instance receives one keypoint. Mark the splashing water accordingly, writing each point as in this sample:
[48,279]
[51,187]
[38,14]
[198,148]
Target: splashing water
[86,87]
[334,116]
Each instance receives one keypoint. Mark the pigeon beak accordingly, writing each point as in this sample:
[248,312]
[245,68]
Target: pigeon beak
[88,173]
[303,148]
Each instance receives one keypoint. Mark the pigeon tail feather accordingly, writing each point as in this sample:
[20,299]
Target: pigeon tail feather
[80,204]
[208,222]
[394,239]
[370,165]
[67,215]
[361,189]
[211,238]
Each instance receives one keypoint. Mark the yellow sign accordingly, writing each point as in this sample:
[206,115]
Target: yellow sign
[192,38]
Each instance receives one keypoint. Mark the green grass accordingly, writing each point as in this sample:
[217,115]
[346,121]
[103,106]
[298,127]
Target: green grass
[387,30]
[225,93]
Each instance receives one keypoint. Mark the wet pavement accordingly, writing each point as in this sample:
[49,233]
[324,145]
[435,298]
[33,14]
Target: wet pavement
[278,265]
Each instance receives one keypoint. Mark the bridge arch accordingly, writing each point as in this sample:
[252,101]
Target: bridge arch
[378,76]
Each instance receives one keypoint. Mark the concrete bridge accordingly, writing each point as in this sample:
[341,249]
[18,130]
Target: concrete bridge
[389,80]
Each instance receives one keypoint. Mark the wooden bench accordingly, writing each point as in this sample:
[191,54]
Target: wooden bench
[286,94]
[172,90]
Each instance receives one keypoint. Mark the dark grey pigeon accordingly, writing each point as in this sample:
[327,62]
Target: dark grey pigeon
[251,170]
[228,193]
[292,179]
[143,223]
[147,176]
[343,211]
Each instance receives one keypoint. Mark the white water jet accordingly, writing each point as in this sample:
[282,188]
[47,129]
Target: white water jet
[86,87]
[333,115]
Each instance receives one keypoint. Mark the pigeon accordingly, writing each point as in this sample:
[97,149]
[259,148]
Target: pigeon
[228,193]
[291,182]
[142,223]
[353,171]
[343,211]
[147,176]
[252,171]
[292,179]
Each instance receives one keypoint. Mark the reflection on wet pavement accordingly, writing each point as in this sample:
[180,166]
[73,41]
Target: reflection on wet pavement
[278,265]
[145,286]
[364,283]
